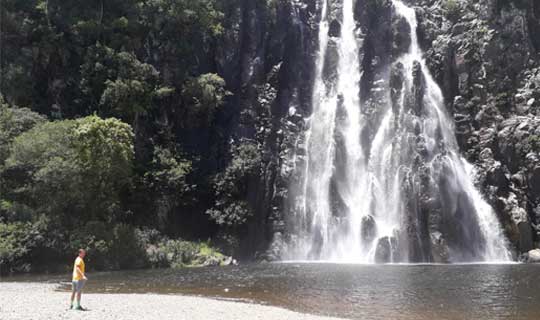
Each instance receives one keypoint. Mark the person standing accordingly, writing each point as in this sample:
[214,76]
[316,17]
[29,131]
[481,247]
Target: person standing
[78,280]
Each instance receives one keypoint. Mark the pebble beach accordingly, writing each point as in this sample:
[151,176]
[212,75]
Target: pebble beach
[37,301]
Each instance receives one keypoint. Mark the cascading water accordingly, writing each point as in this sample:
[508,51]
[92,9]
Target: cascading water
[407,195]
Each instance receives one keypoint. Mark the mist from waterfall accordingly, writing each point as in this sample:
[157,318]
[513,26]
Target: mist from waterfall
[407,195]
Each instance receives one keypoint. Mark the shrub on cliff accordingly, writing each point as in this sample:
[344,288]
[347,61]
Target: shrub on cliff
[231,187]
[167,180]
[452,10]
[534,143]
[118,84]
[202,97]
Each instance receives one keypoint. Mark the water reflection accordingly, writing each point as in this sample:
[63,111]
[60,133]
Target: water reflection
[410,292]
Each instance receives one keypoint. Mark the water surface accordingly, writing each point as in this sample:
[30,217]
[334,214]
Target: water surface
[410,292]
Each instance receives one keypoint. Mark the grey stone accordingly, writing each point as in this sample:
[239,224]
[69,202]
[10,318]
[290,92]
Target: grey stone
[533,256]
[368,230]
[386,247]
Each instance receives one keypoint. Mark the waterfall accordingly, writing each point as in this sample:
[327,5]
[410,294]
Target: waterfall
[405,196]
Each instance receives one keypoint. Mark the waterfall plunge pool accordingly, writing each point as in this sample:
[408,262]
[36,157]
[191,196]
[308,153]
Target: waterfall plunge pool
[410,292]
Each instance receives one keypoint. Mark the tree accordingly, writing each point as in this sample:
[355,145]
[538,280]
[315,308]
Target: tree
[75,170]
[203,96]
[104,153]
[39,170]
[167,179]
[118,84]
[13,122]
[182,29]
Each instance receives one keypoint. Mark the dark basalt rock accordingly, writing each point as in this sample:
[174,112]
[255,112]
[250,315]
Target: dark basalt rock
[334,29]
[402,38]
[387,249]
[525,236]
[534,180]
[368,229]
[397,78]
[496,176]
[331,62]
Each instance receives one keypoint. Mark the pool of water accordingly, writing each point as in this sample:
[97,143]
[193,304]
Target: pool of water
[410,292]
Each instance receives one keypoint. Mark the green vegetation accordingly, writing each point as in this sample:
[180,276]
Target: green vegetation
[231,186]
[452,10]
[119,246]
[15,244]
[13,122]
[534,143]
[119,129]
[179,254]
[61,167]
[204,96]
[118,84]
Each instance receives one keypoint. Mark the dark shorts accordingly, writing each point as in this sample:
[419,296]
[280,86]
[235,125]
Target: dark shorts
[77,285]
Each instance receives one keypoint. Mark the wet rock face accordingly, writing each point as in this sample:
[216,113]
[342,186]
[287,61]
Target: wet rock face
[396,83]
[267,57]
[486,60]
[402,39]
[416,101]
[511,177]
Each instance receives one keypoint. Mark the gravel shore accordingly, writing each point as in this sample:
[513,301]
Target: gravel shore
[21,301]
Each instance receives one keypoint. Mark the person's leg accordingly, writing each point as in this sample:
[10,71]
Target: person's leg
[73,291]
[79,292]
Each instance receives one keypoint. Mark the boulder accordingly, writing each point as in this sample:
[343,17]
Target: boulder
[495,176]
[368,229]
[386,247]
[274,251]
[439,248]
[334,29]
[228,261]
[211,261]
[525,236]
[533,256]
